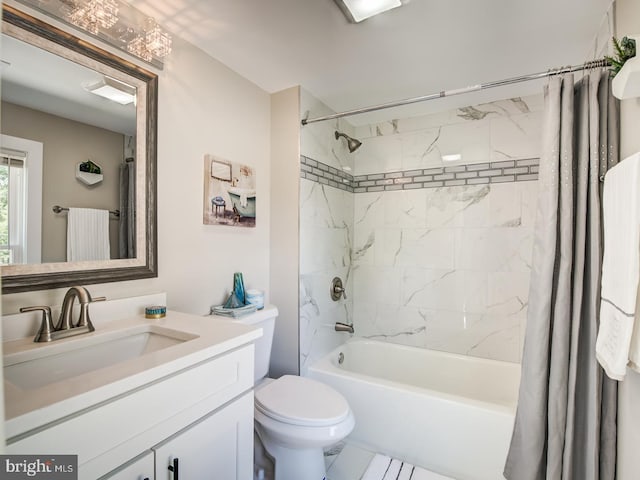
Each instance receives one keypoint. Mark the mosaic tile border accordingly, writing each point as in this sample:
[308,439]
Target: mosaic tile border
[326,175]
[472,174]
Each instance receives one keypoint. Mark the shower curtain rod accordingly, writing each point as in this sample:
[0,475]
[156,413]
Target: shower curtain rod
[474,88]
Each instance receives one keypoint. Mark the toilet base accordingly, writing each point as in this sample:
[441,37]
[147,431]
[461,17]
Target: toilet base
[299,464]
[293,463]
[263,464]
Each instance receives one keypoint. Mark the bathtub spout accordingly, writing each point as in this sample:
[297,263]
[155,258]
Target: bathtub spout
[343,327]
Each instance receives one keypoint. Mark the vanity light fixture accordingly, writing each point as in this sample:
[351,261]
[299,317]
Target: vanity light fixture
[113,90]
[94,15]
[113,21]
[153,41]
[358,10]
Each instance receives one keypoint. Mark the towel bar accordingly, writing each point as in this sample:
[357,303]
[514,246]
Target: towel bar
[59,209]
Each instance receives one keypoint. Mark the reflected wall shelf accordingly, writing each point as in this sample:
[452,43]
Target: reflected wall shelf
[88,178]
[626,83]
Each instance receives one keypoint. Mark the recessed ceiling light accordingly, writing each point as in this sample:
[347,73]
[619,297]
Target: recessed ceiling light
[113,90]
[454,157]
[358,10]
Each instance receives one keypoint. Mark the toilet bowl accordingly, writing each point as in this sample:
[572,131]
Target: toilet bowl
[296,418]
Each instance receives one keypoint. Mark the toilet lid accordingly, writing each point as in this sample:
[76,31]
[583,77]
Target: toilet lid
[301,401]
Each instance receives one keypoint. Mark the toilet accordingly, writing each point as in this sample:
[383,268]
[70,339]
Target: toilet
[295,417]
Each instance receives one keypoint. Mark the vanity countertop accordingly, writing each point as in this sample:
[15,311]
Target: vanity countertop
[29,409]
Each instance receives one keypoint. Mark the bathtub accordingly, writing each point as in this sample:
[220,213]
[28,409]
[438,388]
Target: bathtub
[243,201]
[451,414]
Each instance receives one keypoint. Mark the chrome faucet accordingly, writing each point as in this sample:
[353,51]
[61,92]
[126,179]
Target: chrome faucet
[343,327]
[65,326]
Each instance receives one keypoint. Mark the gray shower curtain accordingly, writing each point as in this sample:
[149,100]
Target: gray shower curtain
[565,425]
[127,222]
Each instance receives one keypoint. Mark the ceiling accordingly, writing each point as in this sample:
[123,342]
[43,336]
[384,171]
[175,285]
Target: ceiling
[423,47]
[37,79]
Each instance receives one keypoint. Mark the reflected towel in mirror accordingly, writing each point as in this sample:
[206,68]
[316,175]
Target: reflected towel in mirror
[87,234]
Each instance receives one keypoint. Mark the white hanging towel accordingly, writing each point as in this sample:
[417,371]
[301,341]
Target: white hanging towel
[620,269]
[87,234]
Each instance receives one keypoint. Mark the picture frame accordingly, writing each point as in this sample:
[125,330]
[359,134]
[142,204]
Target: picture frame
[229,193]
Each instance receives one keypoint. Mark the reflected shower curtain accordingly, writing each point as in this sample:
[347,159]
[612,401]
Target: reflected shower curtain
[565,426]
[127,222]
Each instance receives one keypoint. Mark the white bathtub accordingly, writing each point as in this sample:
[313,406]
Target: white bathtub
[452,414]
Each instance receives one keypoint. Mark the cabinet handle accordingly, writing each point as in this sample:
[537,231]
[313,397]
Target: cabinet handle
[174,468]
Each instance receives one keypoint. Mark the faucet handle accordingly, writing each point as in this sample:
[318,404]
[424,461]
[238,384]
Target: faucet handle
[337,290]
[84,320]
[46,327]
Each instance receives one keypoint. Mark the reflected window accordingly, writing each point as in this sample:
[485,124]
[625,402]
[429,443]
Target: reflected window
[12,206]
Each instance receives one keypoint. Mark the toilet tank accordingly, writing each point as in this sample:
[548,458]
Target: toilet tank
[265,319]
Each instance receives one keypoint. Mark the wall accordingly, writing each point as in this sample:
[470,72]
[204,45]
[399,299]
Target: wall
[326,232]
[67,143]
[204,108]
[628,22]
[285,153]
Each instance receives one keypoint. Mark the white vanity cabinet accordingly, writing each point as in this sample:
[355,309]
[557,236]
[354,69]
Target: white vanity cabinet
[141,468]
[220,446]
[201,414]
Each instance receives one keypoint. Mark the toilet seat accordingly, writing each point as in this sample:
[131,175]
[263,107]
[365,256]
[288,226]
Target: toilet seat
[301,401]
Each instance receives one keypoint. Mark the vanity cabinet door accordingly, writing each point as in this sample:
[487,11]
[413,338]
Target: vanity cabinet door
[140,468]
[219,446]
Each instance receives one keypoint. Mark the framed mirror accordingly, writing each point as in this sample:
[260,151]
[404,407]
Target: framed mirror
[66,151]
[221,170]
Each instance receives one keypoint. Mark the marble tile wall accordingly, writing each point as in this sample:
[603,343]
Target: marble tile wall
[317,140]
[326,233]
[443,266]
[491,132]
[602,44]
[326,237]
[447,266]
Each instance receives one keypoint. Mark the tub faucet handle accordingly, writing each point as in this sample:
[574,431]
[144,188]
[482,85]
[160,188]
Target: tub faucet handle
[337,289]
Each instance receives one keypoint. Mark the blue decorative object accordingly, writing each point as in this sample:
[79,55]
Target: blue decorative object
[238,287]
[233,301]
[255,297]
[238,298]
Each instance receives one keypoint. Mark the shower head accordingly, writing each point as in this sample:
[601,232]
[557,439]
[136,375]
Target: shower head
[352,143]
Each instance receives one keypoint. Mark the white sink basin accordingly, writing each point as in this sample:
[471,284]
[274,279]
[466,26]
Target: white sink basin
[50,363]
